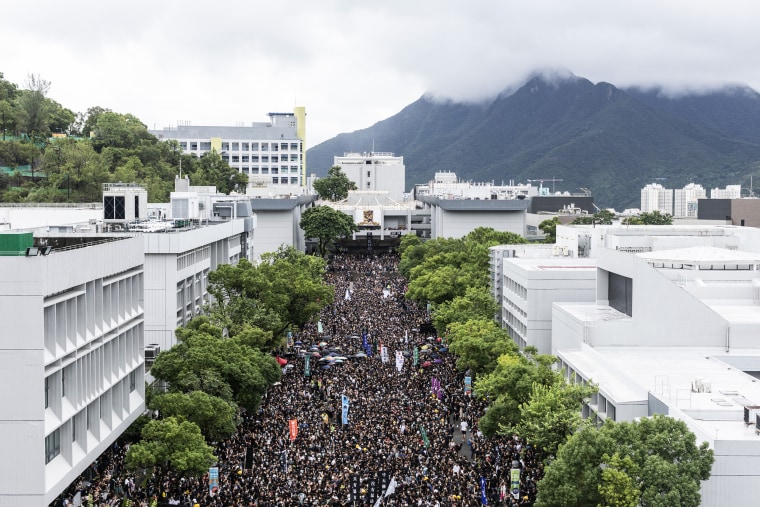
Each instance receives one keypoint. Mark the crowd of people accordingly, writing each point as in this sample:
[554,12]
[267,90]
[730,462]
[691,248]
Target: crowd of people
[410,436]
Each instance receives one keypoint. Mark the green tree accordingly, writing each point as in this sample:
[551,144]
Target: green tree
[8,90]
[510,385]
[653,218]
[7,118]
[34,108]
[335,186]
[552,414]
[214,416]
[665,464]
[204,360]
[491,237]
[549,228]
[477,303]
[212,170]
[171,445]
[445,276]
[618,487]
[114,130]
[326,224]
[60,120]
[479,343]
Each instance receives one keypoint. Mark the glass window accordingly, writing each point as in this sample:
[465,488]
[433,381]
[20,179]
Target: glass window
[47,392]
[275,159]
[245,147]
[206,146]
[235,146]
[264,146]
[52,445]
[254,146]
[132,381]
[225,146]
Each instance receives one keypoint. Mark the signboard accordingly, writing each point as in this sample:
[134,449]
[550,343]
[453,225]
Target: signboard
[213,481]
[307,367]
[344,408]
[483,495]
[514,482]
[293,426]
[468,386]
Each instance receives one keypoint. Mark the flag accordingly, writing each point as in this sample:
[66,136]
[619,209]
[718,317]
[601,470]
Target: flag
[344,406]
[399,360]
[416,356]
[319,326]
[307,367]
[290,339]
[483,496]
[213,480]
[384,353]
[388,492]
[406,336]
[293,426]
[424,436]
[348,295]
[468,386]
[514,482]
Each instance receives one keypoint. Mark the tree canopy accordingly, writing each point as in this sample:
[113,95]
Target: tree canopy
[214,416]
[335,186]
[652,462]
[174,445]
[326,224]
[650,218]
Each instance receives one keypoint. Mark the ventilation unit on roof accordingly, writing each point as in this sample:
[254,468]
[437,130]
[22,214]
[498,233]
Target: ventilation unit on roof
[750,414]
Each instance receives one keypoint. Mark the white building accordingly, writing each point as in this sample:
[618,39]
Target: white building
[654,197]
[71,358]
[375,171]
[670,327]
[730,192]
[274,150]
[686,200]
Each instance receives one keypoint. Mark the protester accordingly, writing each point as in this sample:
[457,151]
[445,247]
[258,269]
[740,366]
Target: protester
[405,423]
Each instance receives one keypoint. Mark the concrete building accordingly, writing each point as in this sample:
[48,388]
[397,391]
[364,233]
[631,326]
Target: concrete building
[730,192]
[686,199]
[655,197]
[664,321]
[372,171]
[742,212]
[71,357]
[273,150]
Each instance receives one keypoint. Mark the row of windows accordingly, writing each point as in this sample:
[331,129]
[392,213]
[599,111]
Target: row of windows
[515,323]
[86,311]
[598,407]
[205,146]
[109,409]
[508,302]
[516,288]
[270,170]
[192,257]
[266,159]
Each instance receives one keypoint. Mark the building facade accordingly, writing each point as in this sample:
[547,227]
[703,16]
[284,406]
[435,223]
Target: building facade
[655,197]
[375,171]
[272,152]
[72,350]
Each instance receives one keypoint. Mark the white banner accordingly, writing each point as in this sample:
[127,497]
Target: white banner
[384,353]
[399,360]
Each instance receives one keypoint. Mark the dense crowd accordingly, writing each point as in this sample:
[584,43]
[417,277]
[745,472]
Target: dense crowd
[411,437]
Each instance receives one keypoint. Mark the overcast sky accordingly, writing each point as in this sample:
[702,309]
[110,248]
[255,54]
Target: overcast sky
[352,63]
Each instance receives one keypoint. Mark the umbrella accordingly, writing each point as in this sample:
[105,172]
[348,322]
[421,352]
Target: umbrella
[437,361]
[426,364]
[353,336]
[338,361]
[407,353]
[282,361]
[340,358]
[427,351]
[425,347]
[313,347]
[327,366]
[325,359]
[322,344]
[443,349]
[316,354]
[299,342]
[361,354]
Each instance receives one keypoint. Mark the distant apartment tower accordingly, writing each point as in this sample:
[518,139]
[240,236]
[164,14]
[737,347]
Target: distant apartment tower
[730,192]
[375,171]
[71,358]
[686,200]
[273,151]
[654,197]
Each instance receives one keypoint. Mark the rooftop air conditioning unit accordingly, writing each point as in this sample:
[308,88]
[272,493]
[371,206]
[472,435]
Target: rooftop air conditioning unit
[751,412]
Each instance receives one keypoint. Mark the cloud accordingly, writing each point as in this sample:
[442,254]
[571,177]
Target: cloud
[352,63]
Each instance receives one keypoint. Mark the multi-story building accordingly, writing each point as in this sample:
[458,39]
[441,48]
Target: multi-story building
[273,152]
[655,197]
[668,325]
[71,357]
[730,192]
[686,199]
[375,171]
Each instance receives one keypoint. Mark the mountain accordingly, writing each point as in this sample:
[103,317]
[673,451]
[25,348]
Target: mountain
[610,140]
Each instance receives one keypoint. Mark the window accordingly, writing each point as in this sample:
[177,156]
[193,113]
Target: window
[63,382]
[235,146]
[225,146]
[369,185]
[264,146]
[275,181]
[52,446]
[275,159]
[275,170]
[206,146]
[620,293]
[369,173]
[193,146]
[265,159]
[132,381]
[47,392]
[245,147]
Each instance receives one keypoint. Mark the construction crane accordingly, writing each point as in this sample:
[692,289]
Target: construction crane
[541,182]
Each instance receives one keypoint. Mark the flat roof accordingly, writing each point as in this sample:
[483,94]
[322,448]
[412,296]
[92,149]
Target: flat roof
[630,373]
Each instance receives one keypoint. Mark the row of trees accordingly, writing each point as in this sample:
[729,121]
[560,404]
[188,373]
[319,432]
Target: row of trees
[604,217]
[223,363]
[653,462]
[104,147]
